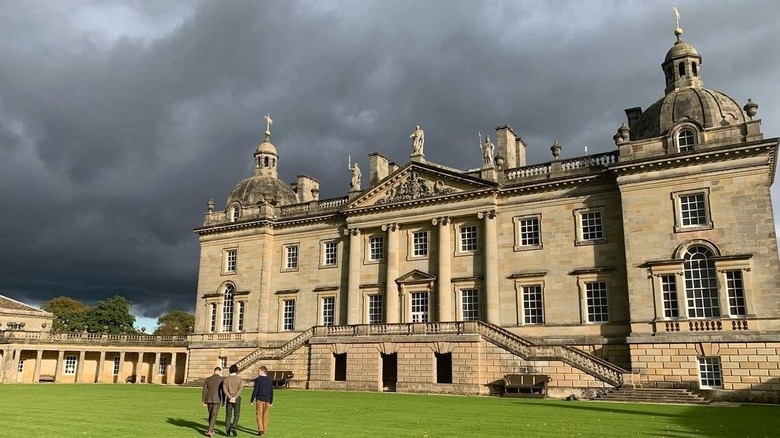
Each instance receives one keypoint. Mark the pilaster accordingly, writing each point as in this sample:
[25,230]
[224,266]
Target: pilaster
[353,283]
[444,285]
[491,267]
[392,306]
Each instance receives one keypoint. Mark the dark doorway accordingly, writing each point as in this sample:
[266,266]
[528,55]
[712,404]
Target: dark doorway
[340,372]
[389,371]
[443,367]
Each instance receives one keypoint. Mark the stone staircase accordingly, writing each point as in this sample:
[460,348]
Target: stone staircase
[653,395]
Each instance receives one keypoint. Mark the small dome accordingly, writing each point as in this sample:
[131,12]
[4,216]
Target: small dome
[708,108]
[266,147]
[262,187]
[680,49]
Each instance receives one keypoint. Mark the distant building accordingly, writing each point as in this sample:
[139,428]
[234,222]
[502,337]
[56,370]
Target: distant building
[654,264]
[15,315]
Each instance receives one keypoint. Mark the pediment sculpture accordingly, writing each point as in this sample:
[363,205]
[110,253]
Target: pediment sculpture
[414,187]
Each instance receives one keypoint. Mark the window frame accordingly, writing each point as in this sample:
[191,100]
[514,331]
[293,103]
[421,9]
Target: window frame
[241,322]
[580,232]
[283,322]
[412,244]
[226,260]
[370,253]
[462,303]
[426,314]
[678,137]
[459,248]
[731,293]
[379,297]
[324,253]
[116,366]
[519,234]
[162,366]
[691,293]
[679,227]
[287,249]
[70,365]
[715,367]
[321,301]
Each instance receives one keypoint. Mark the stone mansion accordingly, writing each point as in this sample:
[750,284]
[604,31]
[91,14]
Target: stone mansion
[652,265]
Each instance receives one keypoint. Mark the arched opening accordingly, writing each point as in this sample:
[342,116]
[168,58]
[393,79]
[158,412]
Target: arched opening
[685,140]
[227,308]
[235,212]
[694,69]
[681,69]
[265,161]
[701,285]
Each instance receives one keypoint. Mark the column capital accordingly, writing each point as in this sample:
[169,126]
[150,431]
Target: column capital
[352,231]
[392,226]
[443,221]
[490,214]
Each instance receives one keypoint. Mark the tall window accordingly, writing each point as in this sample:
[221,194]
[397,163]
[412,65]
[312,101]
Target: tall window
[701,287]
[213,324]
[115,370]
[330,253]
[529,231]
[328,310]
[241,314]
[70,365]
[162,366]
[591,226]
[230,260]
[291,257]
[693,209]
[470,304]
[288,316]
[420,243]
[375,309]
[420,307]
[234,213]
[223,362]
[709,372]
[227,309]
[20,366]
[533,307]
[685,140]
[376,248]
[468,238]
[669,292]
[596,301]
[736,293]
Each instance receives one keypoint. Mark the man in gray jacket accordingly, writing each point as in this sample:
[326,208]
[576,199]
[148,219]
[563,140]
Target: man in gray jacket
[232,387]
[212,397]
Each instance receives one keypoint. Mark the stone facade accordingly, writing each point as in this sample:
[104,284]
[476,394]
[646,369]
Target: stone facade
[652,265]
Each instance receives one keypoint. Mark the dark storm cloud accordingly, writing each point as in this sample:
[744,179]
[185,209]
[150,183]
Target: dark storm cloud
[119,120]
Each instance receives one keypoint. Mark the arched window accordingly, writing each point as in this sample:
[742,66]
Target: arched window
[701,286]
[227,309]
[685,140]
[235,212]
[265,161]
[694,69]
[681,69]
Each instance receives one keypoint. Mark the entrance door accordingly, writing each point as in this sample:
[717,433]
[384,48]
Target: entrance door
[389,371]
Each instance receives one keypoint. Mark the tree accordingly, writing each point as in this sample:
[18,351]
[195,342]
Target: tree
[111,315]
[69,314]
[174,322]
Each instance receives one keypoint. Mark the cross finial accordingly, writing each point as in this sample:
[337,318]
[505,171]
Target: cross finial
[677,30]
[268,123]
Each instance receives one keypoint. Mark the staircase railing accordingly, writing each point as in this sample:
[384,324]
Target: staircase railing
[274,352]
[586,362]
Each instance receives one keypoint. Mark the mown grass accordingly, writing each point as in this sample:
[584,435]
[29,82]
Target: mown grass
[158,411]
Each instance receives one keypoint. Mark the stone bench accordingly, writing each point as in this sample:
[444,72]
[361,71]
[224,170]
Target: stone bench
[45,378]
[526,385]
[281,379]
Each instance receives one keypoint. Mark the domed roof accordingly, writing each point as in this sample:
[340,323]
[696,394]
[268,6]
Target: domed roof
[708,108]
[679,50]
[266,147]
[262,187]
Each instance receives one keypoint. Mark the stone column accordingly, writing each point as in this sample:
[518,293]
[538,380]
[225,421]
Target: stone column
[120,377]
[264,303]
[172,375]
[155,368]
[353,283]
[101,366]
[444,285]
[37,372]
[80,366]
[2,365]
[60,364]
[491,267]
[392,307]
[139,362]
[11,365]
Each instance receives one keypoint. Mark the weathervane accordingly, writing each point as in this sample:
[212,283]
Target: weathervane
[678,30]
[268,123]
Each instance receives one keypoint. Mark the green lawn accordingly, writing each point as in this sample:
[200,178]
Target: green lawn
[157,411]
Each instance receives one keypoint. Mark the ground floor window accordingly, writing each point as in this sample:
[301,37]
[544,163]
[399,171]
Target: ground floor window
[443,367]
[115,371]
[21,366]
[70,365]
[709,372]
[340,367]
[223,362]
[162,366]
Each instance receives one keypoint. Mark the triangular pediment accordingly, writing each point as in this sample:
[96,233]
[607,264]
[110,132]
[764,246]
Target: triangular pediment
[418,181]
[415,276]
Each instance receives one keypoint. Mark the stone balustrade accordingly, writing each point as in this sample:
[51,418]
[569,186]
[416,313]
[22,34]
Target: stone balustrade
[16,336]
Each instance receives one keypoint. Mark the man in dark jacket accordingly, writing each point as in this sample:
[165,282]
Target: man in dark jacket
[212,397]
[264,394]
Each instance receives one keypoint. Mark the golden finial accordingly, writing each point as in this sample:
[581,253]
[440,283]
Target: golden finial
[268,123]
[678,30]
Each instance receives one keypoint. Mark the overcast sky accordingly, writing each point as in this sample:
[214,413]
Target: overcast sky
[120,119]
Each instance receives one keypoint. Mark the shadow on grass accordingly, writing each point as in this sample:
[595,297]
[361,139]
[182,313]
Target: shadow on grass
[600,408]
[203,427]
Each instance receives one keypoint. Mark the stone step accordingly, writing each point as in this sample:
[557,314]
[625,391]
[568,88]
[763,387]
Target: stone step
[653,395]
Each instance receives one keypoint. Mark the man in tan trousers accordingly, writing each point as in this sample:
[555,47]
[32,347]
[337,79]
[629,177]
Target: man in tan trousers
[264,394]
